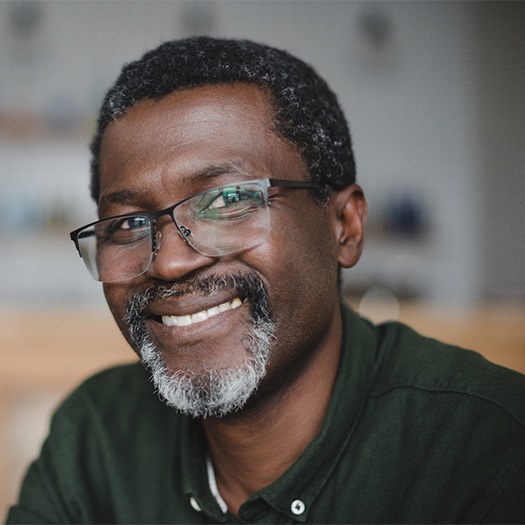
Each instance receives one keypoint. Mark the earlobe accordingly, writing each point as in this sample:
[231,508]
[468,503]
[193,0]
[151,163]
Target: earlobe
[351,211]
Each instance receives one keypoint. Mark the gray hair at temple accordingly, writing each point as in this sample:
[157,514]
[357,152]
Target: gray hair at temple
[306,111]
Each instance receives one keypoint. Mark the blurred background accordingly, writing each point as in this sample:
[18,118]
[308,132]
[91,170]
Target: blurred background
[435,96]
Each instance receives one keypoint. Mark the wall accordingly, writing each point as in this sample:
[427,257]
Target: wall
[500,133]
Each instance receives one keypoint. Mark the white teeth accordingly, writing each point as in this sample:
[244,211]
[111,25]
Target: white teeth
[197,317]
[183,320]
[210,312]
[223,307]
[236,303]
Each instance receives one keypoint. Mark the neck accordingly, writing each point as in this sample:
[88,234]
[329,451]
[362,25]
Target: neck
[253,448]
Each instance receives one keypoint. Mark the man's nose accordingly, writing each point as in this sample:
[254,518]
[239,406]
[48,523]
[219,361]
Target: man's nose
[174,258]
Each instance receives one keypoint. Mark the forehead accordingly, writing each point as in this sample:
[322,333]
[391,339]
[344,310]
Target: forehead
[181,113]
[189,131]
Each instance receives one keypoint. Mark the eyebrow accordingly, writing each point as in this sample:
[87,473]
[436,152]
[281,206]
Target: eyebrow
[200,177]
[216,170]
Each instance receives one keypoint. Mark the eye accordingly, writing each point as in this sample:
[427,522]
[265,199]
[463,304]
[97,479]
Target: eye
[126,230]
[229,202]
[228,197]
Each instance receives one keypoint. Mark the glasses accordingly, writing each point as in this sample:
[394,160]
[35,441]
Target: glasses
[219,221]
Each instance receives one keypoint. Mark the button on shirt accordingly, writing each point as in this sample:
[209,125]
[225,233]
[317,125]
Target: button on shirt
[416,432]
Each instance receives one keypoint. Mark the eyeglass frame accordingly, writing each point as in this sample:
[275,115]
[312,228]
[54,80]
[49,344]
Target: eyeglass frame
[154,216]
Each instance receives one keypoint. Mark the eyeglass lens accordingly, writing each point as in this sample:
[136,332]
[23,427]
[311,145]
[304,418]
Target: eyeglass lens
[217,222]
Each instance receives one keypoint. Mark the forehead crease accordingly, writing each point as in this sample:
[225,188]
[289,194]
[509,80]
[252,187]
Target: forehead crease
[212,171]
[202,176]
[119,197]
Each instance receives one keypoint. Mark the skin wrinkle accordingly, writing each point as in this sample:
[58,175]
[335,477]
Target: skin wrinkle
[195,180]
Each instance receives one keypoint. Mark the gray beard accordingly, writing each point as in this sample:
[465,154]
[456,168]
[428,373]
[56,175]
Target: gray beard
[210,392]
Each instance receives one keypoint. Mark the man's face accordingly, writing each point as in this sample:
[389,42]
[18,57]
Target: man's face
[277,301]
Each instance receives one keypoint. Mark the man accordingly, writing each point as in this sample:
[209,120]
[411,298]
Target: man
[225,184]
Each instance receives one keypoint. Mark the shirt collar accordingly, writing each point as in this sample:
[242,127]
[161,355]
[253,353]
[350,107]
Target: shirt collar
[194,471]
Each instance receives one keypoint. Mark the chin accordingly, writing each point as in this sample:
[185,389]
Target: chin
[211,392]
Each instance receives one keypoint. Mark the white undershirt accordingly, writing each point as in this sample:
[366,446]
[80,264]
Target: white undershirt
[212,482]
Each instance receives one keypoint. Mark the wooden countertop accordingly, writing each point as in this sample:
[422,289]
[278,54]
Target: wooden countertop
[65,345]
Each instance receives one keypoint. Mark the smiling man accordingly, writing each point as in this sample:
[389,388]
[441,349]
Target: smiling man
[204,320]
[225,182]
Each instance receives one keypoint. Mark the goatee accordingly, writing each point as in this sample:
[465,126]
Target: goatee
[210,392]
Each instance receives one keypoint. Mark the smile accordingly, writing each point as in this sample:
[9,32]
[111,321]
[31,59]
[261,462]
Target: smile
[198,317]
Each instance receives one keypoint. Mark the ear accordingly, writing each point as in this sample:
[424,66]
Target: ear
[351,210]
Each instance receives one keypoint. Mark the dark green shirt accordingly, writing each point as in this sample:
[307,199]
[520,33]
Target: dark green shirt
[417,431]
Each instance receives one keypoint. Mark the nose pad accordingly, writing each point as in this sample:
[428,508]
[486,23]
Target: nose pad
[176,259]
[183,231]
[156,245]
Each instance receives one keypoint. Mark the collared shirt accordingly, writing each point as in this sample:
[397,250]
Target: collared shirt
[416,431]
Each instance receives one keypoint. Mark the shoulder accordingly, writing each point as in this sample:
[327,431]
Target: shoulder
[129,381]
[447,414]
[121,379]
[111,399]
[111,415]
[408,360]
[107,441]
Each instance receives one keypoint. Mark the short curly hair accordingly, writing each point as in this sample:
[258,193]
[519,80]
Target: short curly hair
[306,111]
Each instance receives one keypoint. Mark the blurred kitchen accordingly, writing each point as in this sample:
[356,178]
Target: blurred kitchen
[435,96]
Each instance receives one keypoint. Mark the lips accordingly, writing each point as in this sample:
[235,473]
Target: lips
[196,307]
[201,315]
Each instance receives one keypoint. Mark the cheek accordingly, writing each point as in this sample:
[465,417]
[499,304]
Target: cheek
[300,267]
[116,297]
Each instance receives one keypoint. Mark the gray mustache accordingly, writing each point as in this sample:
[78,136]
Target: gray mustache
[249,287]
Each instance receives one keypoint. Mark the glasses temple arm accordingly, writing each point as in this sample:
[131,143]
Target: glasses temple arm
[293,183]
